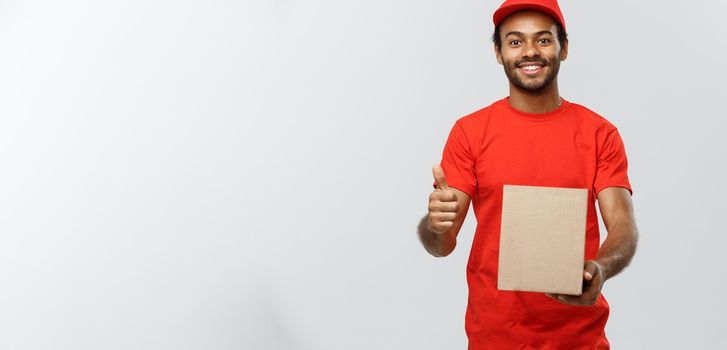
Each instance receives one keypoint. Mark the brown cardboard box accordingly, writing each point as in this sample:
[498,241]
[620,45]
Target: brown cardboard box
[542,239]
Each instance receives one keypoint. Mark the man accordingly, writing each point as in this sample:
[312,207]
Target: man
[536,138]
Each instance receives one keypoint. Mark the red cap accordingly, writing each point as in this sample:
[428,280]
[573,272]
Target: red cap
[549,7]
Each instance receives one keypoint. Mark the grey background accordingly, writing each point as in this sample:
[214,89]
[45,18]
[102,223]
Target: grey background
[248,175]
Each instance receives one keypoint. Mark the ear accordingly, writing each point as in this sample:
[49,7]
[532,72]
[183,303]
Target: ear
[564,50]
[498,54]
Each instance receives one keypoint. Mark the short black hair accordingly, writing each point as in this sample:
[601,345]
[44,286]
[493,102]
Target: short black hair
[562,35]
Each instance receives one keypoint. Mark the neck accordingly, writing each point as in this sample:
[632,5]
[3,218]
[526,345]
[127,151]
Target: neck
[541,101]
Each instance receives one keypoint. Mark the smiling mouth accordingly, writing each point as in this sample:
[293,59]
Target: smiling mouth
[531,68]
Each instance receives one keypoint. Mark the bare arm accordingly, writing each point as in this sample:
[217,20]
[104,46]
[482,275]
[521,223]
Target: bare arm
[619,247]
[447,210]
[616,251]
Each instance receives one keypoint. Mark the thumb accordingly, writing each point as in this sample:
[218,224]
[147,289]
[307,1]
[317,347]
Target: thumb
[439,177]
[589,271]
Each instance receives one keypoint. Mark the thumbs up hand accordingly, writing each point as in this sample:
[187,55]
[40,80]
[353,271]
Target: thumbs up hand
[442,204]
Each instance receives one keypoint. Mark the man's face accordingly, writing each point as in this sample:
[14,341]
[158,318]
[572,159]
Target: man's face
[530,51]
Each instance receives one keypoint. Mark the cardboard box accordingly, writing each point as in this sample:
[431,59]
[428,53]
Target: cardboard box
[542,239]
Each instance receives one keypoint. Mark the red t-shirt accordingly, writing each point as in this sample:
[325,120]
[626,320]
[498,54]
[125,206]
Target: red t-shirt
[568,147]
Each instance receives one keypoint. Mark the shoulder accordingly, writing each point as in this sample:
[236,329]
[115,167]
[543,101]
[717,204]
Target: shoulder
[476,120]
[606,134]
[471,127]
[591,119]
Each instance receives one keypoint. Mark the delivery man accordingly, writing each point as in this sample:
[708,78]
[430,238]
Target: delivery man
[532,137]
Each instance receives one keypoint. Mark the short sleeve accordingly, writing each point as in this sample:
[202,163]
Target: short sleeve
[612,168]
[458,162]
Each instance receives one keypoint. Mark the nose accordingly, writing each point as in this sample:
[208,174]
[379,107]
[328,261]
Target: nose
[531,50]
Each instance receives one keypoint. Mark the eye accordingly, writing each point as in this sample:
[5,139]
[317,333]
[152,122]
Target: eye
[514,42]
[544,41]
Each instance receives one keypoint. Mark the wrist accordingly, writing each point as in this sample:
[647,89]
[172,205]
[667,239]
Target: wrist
[603,268]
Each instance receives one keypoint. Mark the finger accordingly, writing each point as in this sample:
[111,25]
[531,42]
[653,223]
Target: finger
[448,195]
[442,226]
[569,299]
[444,196]
[443,216]
[557,297]
[447,206]
[439,177]
[442,201]
[579,300]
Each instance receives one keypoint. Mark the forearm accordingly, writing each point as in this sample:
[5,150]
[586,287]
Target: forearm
[618,249]
[436,244]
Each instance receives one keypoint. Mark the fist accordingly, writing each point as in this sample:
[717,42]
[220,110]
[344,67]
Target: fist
[442,204]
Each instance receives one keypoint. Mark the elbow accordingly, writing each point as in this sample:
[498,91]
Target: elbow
[436,245]
[441,252]
[438,254]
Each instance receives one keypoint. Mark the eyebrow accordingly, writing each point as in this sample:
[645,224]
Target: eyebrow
[523,34]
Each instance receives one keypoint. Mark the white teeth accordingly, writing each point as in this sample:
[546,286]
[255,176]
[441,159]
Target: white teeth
[531,67]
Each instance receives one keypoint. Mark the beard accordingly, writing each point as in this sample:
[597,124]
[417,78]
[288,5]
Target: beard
[533,85]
